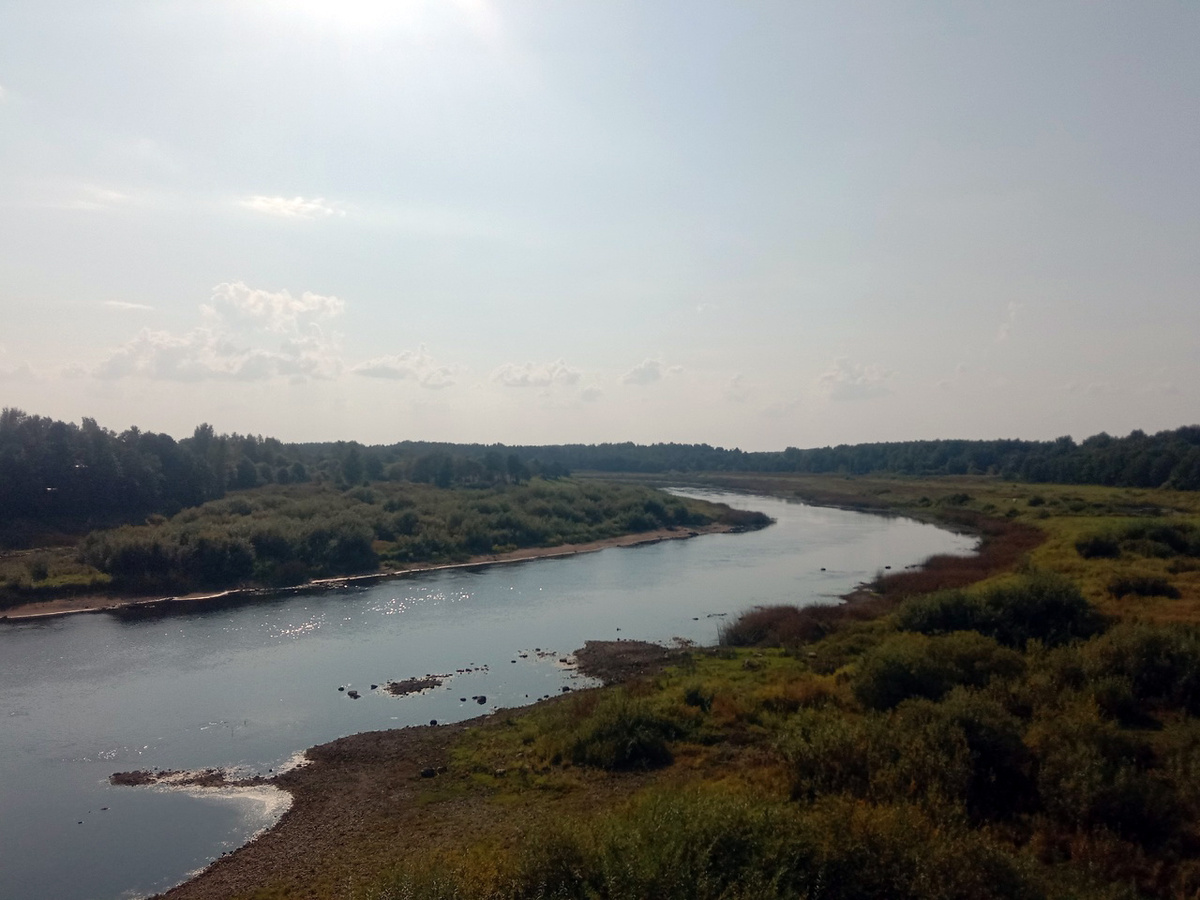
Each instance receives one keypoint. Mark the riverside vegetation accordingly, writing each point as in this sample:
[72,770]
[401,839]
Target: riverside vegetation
[285,535]
[1019,725]
[1024,723]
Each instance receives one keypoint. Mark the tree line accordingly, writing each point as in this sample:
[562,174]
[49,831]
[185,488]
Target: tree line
[1168,459]
[57,474]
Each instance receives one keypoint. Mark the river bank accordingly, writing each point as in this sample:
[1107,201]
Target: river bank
[365,801]
[245,684]
[362,798]
[97,603]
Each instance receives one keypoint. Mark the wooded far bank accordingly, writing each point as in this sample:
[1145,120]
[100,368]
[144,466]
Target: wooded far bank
[59,475]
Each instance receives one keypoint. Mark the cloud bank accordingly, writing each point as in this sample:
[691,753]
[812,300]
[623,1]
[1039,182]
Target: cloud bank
[847,380]
[535,375]
[245,334]
[649,371]
[416,365]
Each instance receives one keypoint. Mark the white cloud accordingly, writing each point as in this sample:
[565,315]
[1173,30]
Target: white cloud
[276,311]
[123,305]
[590,394]
[204,354]
[536,375]
[291,207]
[1006,326]
[3,93]
[649,371]
[416,365]
[846,380]
[236,341]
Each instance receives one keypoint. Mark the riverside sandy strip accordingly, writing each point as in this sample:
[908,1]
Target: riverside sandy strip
[103,603]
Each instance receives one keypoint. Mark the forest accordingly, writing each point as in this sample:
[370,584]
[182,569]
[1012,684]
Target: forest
[59,476]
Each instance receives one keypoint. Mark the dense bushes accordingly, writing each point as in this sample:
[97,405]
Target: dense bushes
[964,753]
[914,665]
[1091,775]
[1154,538]
[1046,608]
[1161,663]
[285,535]
[1142,586]
[709,845]
[621,733]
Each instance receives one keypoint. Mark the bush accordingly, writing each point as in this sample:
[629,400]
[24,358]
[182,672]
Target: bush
[966,752]
[914,665]
[1142,586]
[944,612]
[621,733]
[1098,546]
[1160,662]
[780,625]
[1046,608]
[1091,775]
[716,846]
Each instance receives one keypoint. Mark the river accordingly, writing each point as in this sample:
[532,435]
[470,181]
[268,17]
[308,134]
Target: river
[251,686]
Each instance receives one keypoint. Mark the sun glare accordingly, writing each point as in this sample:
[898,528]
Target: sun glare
[363,17]
[356,15]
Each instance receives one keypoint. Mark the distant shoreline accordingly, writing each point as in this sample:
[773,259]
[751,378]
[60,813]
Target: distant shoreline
[65,606]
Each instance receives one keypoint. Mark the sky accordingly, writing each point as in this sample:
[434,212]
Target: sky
[751,224]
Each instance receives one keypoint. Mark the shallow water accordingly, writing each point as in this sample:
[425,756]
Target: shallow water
[252,685]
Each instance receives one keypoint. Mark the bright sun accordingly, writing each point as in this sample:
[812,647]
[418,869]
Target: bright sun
[356,14]
[364,16]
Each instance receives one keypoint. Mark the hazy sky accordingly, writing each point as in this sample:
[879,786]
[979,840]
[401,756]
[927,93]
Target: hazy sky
[753,224]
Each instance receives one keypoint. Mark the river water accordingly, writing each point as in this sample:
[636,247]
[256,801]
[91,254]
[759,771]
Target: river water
[251,686]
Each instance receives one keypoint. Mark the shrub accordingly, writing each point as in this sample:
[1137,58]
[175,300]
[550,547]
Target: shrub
[1099,546]
[621,733]
[1161,662]
[966,753]
[1142,586]
[1092,775]
[944,612]
[780,625]
[914,665]
[716,846]
[910,665]
[1047,608]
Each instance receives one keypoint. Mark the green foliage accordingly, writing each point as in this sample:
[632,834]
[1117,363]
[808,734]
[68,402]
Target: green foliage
[1154,538]
[915,665]
[1093,775]
[963,754]
[1046,608]
[286,535]
[621,733]
[1098,546]
[710,845]
[1161,663]
[1142,586]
